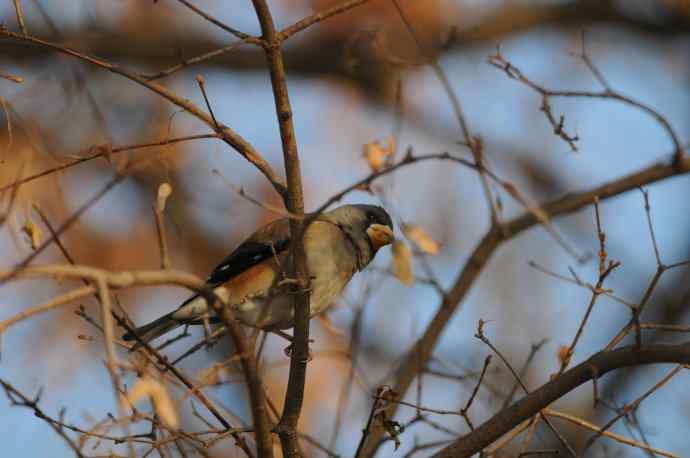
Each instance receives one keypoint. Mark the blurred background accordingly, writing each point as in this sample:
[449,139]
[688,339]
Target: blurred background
[353,79]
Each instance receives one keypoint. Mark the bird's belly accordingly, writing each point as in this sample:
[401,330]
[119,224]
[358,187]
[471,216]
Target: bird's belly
[278,312]
[266,313]
[330,269]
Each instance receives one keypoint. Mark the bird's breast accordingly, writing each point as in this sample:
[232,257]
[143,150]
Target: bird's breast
[330,262]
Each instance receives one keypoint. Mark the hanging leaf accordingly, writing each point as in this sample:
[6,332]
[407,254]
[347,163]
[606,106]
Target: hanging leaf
[164,191]
[379,155]
[210,375]
[163,405]
[402,263]
[421,238]
[33,232]
[564,354]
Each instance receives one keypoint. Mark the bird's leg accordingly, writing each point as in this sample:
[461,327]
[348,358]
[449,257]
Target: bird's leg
[305,285]
[207,330]
[282,334]
[288,350]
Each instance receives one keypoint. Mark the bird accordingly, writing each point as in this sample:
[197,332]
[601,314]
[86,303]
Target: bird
[252,280]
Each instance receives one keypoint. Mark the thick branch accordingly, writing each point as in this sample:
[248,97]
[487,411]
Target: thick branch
[294,202]
[531,404]
[420,352]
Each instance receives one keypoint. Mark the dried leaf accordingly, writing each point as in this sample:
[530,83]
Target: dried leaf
[33,232]
[164,406]
[377,154]
[421,238]
[402,263]
[564,354]
[210,375]
[164,191]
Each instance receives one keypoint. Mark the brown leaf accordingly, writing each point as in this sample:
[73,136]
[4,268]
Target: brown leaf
[377,154]
[564,354]
[164,191]
[164,406]
[210,375]
[33,232]
[402,263]
[421,238]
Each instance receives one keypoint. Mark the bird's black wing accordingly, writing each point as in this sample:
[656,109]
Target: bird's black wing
[245,256]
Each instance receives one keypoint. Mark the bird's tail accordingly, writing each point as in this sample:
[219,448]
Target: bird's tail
[152,330]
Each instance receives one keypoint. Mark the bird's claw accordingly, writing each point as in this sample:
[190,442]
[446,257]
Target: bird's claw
[288,351]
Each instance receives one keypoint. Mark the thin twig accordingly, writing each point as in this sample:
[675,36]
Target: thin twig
[478,259]
[602,432]
[370,420]
[533,403]
[464,411]
[308,21]
[634,322]
[605,270]
[474,143]
[198,59]
[13,78]
[647,210]
[480,335]
[244,148]
[523,372]
[20,16]
[242,193]
[631,407]
[55,302]
[16,398]
[73,218]
[218,23]
[105,151]
[577,281]
[112,363]
[498,61]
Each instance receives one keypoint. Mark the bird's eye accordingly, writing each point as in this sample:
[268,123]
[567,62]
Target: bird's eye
[371,217]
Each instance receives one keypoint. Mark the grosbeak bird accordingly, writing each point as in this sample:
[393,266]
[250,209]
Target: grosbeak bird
[251,279]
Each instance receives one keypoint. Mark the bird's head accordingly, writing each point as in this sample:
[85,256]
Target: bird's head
[369,227]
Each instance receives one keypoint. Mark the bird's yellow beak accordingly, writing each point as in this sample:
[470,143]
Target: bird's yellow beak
[380,235]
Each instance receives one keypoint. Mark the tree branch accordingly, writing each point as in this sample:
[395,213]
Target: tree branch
[230,137]
[420,352]
[294,202]
[530,405]
[308,21]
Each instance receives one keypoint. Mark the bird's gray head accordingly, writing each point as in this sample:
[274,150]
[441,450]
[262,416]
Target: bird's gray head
[368,227]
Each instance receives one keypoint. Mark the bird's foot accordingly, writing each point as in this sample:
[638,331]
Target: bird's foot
[303,284]
[288,351]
